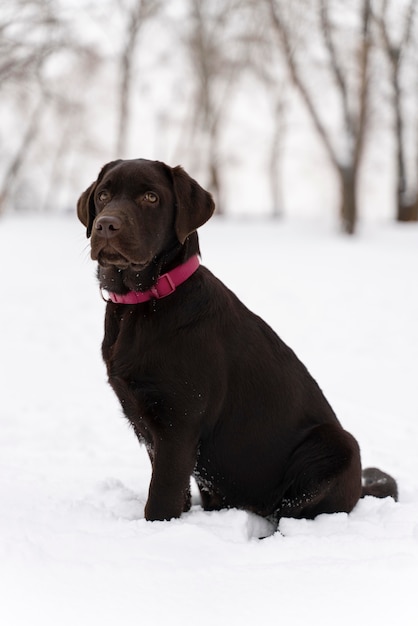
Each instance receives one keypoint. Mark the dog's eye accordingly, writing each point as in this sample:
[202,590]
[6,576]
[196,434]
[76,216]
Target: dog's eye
[103,196]
[150,196]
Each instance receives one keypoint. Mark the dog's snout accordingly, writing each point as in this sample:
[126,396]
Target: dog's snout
[108,226]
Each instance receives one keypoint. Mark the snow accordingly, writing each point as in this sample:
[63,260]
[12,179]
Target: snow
[74,547]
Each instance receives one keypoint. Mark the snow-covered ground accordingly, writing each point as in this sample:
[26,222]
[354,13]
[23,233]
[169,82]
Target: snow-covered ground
[74,547]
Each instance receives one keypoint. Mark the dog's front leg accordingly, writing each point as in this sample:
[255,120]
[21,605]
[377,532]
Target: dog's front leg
[169,491]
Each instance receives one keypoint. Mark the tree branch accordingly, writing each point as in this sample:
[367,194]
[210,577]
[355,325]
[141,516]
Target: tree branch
[282,33]
[326,30]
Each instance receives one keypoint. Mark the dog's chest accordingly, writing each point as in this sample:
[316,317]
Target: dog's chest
[131,342]
[138,368]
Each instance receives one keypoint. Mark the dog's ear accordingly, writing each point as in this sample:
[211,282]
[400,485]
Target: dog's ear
[85,205]
[194,205]
[84,211]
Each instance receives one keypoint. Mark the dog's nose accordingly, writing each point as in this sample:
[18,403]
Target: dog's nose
[108,226]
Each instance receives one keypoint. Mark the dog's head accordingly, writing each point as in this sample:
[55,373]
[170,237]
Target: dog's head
[138,209]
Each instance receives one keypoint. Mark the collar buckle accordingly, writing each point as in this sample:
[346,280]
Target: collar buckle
[164,287]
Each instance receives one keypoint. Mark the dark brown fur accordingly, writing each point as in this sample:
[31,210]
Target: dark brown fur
[209,388]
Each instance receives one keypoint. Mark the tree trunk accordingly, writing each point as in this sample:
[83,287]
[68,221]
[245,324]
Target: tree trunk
[215,186]
[408,212]
[348,178]
[276,156]
[125,93]
[214,170]
[406,205]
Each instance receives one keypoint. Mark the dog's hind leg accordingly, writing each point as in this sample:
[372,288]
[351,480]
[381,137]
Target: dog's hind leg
[323,475]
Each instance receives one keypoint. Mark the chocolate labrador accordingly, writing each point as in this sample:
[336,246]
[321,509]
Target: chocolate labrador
[208,387]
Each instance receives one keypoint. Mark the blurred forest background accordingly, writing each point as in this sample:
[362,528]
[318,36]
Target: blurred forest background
[274,106]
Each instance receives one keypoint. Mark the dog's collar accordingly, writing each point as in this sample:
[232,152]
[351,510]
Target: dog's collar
[165,285]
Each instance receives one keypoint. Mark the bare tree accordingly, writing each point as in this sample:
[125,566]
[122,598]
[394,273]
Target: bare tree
[395,48]
[217,54]
[267,66]
[352,92]
[277,94]
[28,35]
[41,54]
[70,115]
[136,13]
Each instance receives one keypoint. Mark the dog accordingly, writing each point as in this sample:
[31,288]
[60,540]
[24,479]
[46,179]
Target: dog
[207,386]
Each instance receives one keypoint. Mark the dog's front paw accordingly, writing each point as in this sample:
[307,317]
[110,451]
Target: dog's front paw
[160,513]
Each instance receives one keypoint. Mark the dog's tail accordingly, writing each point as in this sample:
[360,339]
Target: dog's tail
[377,483]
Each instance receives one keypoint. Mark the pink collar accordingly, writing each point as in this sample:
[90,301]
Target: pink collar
[165,285]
